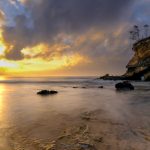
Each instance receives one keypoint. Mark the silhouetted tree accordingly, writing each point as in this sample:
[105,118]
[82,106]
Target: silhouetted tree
[132,35]
[136,32]
[146,30]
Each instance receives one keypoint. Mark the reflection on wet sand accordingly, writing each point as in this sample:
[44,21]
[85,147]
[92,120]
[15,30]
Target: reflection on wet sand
[2,91]
[3,127]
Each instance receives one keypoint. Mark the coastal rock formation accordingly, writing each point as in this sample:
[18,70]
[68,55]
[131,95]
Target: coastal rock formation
[139,66]
[110,77]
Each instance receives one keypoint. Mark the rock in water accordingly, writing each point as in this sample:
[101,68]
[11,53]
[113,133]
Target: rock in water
[100,87]
[109,77]
[124,86]
[47,92]
[83,87]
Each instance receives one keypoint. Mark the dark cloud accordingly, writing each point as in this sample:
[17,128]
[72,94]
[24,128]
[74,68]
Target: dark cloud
[75,15]
[52,17]
[19,37]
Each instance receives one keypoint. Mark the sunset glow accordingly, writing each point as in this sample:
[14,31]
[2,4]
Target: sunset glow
[36,59]
[78,38]
[2,45]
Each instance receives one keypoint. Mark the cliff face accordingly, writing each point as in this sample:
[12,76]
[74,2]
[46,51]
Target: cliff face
[139,66]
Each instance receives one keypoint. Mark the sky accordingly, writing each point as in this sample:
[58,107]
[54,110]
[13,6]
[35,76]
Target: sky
[68,37]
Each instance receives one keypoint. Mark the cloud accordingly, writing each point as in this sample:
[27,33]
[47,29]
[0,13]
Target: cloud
[50,18]
[2,17]
[94,29]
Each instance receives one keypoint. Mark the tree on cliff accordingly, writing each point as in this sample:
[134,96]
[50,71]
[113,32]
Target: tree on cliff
[146,30]
[135,33]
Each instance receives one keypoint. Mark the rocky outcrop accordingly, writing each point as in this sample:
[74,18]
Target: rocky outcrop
[110,77]
[138,67]
[124,86]
[46,92]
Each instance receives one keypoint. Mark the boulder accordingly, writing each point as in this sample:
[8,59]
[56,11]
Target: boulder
[46,92]
[75,87]
[84,87]
[100,87]
[124,86]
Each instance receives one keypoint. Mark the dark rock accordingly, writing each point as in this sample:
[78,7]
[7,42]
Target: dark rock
[75,87]
[124,86]
[47,92]
[106,75]
[109,77]
[83,87]
[100,87]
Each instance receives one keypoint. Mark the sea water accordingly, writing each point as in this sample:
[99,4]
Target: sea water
[25,115]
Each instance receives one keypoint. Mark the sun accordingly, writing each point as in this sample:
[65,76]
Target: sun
[2,48]
[2,78]
[2,45]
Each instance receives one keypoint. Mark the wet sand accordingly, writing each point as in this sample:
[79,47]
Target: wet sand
[89,131]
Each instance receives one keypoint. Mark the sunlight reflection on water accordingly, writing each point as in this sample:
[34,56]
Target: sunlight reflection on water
[2,90]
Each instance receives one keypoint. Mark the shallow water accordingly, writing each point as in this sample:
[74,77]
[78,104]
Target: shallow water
[121,118]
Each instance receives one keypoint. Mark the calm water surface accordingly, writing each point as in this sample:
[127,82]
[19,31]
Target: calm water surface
[23,112]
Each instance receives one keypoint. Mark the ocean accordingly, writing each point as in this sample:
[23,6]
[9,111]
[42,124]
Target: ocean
[32,122]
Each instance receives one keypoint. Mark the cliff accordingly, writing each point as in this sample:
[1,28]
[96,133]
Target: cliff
[138,67]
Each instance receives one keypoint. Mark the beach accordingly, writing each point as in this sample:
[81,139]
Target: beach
[81,118]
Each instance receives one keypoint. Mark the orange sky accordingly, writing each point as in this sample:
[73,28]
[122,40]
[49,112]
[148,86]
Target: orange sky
[80,38]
